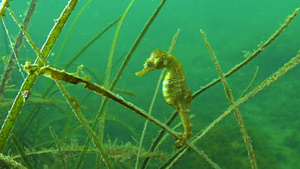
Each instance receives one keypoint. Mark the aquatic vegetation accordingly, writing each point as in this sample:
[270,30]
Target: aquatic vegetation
[55,128]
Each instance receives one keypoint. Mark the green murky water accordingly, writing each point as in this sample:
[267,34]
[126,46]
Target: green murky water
[271,117]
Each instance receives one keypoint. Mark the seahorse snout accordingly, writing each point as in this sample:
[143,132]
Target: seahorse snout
[143,72]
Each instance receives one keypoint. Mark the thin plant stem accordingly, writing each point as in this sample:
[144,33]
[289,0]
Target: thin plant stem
[112,49]
[158,139]
[73,103]
[13,50]
[229,96]
[109,65]
[135,45]
[146,122]
[171,48]
[21,151]
[56,140]
[250,84]
[17,47]
[81,51]
[91,42]
[70,30]
[112,149]
[5,39]
[29,40]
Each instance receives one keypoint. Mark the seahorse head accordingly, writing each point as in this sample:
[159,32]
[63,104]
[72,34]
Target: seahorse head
[157,60]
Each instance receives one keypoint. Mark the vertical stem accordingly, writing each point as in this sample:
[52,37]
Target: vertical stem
[109,65]
[56,140]
[85,124]
[9,68]
[146,122]
[21,151]
[70,30]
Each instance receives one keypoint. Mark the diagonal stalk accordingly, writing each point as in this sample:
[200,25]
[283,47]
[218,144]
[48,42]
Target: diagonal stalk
[237,113]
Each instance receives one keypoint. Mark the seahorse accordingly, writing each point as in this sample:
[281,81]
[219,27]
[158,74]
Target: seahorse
[175,91]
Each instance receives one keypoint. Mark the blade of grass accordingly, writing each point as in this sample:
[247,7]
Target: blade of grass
[70,30]
[109,66]
[21,151]
[56,140]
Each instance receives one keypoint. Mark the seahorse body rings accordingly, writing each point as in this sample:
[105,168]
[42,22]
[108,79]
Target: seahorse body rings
[174,88]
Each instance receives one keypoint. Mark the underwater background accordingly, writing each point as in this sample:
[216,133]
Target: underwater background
[232,27]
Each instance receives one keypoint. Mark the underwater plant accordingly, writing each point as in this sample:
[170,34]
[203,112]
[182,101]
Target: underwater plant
[66,106]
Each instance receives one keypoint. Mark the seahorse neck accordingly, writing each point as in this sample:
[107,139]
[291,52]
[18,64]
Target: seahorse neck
[174,66]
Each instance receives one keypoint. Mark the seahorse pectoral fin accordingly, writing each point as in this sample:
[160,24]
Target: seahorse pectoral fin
[143,72]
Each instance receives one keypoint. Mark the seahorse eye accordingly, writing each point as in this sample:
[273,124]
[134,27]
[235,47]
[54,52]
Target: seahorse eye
[149,64]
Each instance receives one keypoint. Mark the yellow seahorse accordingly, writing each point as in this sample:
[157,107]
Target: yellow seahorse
[174,88]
